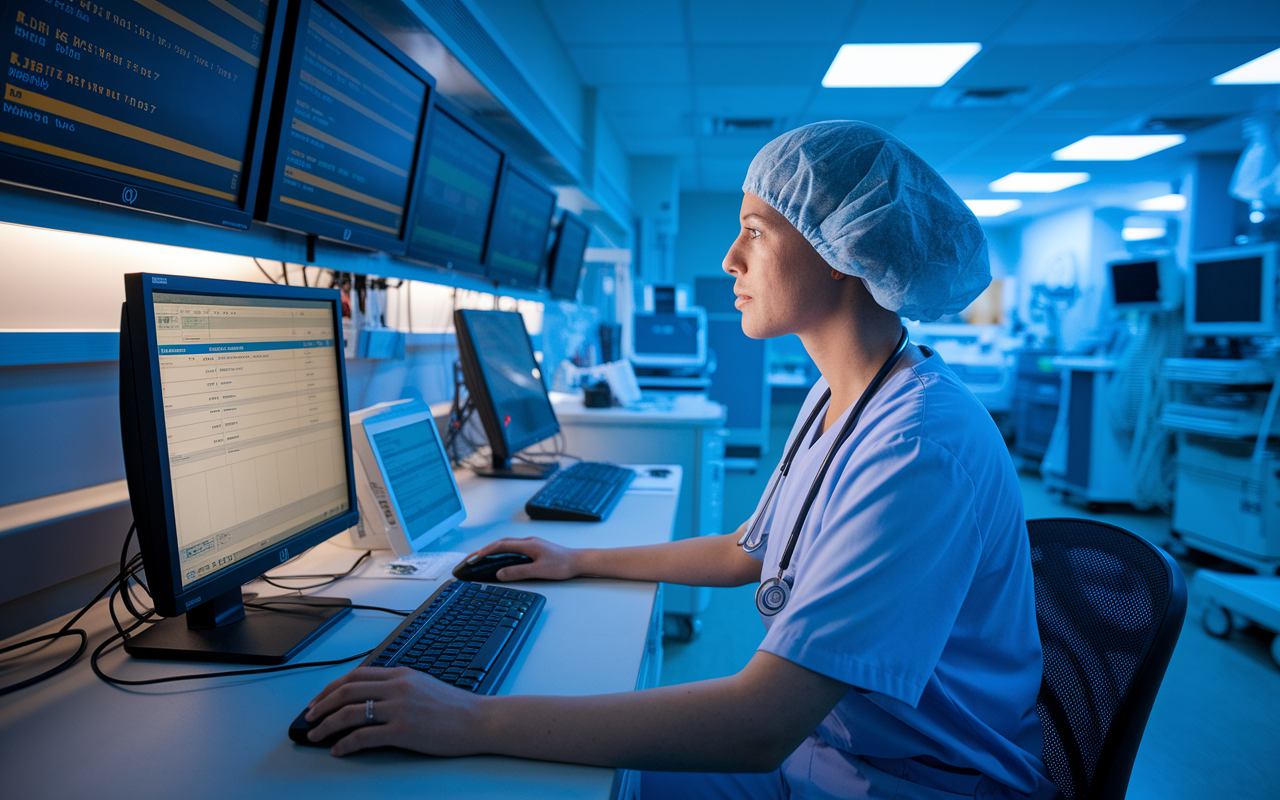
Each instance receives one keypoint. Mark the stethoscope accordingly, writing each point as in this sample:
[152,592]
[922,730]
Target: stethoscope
[773,594]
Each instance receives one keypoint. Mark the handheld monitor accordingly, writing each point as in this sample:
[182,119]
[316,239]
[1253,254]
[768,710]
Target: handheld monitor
[566,257]
[518,235]
[505,384]
[160,108]
[458,190]
[233,414]
[1232,292]
[673,340]
[346,132]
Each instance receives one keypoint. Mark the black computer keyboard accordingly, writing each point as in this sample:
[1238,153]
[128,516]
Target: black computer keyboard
[466,634]
[585,492]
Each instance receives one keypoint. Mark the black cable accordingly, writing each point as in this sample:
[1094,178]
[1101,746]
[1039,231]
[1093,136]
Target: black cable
[332,577]
[125,571]
[286,601]
[263,271]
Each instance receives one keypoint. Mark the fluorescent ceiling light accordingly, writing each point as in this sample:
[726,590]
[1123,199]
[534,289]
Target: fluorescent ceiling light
[1141,234]
[1263,69]
[1117,148]
[1037,181]
[992,208]
[880,65]
[1165,202]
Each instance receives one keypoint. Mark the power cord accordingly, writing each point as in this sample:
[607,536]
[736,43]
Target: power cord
[331,577]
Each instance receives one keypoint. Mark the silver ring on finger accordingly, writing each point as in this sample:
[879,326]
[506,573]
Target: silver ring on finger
[368,710]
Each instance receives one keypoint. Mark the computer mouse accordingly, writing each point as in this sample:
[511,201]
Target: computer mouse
[486,569]
[300,728]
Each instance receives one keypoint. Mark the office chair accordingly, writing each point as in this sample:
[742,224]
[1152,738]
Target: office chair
[1110,607]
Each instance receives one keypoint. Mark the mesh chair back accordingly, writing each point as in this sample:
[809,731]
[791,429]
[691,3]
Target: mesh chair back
[1110,606]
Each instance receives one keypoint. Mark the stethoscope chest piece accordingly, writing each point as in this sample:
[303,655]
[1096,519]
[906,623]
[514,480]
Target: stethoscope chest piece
[772,596]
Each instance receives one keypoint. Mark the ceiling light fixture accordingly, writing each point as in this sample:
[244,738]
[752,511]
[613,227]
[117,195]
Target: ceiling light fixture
[1165,202]
[1142,234]
[897,65]
[1263,69]
[992,208]
[1038,181]
[1118,148]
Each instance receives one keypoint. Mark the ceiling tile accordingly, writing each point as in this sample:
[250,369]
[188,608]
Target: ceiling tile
[880,121]
[732,146]
[1212,101]
[593,22]
[642,99]
[858,103]
[1058,131]
[762,64]
[750,21]
[655,123]
[630,66]
[1008,66]
[637,145]
[1081,21]
[1216,18]
[951,123]
[1121,100]
[751,101]
[911,21]
[1178,64]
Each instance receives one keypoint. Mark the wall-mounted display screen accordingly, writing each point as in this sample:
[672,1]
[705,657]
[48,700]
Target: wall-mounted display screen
[458,190]
[151,105]
[350,127]
[566,257]
[518,235]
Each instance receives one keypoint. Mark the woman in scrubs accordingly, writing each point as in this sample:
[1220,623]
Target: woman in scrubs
[901,657]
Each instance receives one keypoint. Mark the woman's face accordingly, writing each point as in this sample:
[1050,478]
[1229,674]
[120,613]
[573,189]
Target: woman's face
[783,286]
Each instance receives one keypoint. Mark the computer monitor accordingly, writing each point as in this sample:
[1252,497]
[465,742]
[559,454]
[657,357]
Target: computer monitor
[506,386]
[518,235]
[674,340]
[238,457]
[566,257]
[458,190]
[347,131]
[1145,283]
[1232,292]
[160,109]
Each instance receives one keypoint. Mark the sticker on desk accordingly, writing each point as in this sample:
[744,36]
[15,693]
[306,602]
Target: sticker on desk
[655,478]
[420,566]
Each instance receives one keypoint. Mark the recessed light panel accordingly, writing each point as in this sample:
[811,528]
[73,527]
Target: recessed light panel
[1118,148]
[1038,181]
[1165,202]
[992,208]
[897,65]
[1263,69]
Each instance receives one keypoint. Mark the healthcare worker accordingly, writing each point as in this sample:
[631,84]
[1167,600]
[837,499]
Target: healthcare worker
[901,657]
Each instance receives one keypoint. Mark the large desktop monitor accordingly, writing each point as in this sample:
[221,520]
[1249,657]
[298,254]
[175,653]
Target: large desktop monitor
[1232,292]
[458,190]
[505,384]
[346,132]
[675,340]
[565,265]
[160,108]
[238,457]
[1145,283]
[518,235]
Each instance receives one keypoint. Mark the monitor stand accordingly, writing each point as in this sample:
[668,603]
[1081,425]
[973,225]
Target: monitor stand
[223,630]
[518,469]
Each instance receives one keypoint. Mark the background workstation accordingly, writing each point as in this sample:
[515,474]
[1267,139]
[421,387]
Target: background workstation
[644,119]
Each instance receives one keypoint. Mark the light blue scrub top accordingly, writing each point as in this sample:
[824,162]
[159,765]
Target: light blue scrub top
[913,582]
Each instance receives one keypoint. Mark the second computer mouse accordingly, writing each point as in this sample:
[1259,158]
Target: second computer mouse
[486,569]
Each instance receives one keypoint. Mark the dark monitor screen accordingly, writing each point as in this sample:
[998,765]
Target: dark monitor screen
[518,235]
[505,383]
[457,196]
[1136,282]
[351,123]
[666,334]
[237,450]
[149,106]
[566,257]
[1229,290]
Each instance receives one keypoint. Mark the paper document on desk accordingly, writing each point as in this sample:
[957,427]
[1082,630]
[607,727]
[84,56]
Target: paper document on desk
[655,478]
[419,566]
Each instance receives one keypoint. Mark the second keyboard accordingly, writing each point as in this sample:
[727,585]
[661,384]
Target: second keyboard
[584,492]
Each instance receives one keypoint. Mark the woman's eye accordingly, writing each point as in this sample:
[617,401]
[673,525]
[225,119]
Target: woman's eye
[752,233]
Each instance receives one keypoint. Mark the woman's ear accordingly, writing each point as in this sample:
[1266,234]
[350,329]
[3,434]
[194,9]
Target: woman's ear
[837,275]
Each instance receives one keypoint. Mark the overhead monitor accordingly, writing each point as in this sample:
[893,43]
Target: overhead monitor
[565,263]
[671,340]
[157,107]
[518,235]
[1232,292]
[233,412]
[347,131]
[505,384]
[1146,283]
[458,190]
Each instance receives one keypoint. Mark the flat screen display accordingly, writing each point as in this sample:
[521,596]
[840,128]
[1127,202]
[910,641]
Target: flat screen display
[666,334]
[1229,290]
[456,200]
[1136,282]
[150,105]
[518,236]
[566,257]
[350,129]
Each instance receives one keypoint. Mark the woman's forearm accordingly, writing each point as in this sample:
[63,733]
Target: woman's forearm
[699,561]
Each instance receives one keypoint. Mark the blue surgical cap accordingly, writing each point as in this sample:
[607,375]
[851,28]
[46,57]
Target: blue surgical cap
[874,209]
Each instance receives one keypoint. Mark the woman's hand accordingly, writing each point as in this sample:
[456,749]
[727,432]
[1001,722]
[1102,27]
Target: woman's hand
[550,561]
[410,710]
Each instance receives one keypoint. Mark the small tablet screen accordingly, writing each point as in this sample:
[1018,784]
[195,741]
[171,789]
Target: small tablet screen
[419,476]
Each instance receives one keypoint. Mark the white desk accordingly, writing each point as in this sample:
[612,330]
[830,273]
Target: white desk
[74,736]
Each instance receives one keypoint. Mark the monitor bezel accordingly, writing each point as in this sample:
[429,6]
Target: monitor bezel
[497,275]
[668,360]
[553,265]
[146,450]
[1268,325]
[430,255]
[1147,305]
[280,215]
[478,387]
[32,173]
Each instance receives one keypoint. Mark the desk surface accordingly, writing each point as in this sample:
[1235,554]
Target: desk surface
[75,736]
